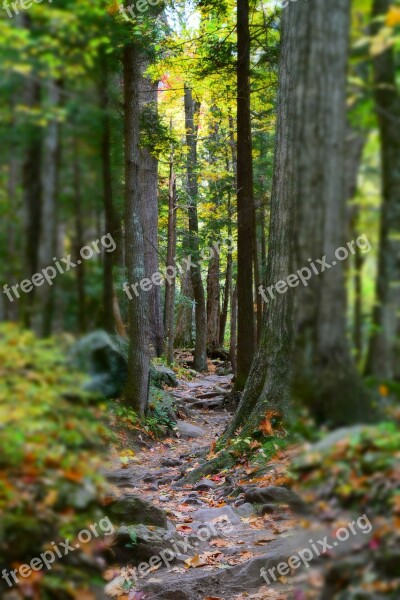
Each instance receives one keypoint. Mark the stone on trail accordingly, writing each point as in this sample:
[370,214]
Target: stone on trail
[207,515]
[191,431]
[205,485]
[132,510]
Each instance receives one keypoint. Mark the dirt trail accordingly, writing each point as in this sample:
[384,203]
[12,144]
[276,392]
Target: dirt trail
[207,531]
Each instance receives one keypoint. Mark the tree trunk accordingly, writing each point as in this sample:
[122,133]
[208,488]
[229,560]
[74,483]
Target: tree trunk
[268,386]
[213,305]
[245,201]
[149,211]
[32,198]
[79,242]
[48,241]
[326,376]
[170,284]
[184,317]
[226,298]
[111,221]
[383,360]
[192,110]
[233,330]
[137,387]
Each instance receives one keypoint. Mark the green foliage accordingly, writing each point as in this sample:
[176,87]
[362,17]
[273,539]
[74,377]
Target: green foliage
[361,470]
[51,435]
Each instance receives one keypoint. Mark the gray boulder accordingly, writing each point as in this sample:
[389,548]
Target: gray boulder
[132,510]
[191,431]
[105,359]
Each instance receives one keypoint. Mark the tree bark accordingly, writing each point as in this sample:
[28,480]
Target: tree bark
[192,110]
[326,376]
[233,330]
[149,210]
[137,387]
[184,317]
[245,201]
[79,242]
[43,318]
[268,386]
[213,304]
[112,224]
[170,284]
[383,360]
[32,198]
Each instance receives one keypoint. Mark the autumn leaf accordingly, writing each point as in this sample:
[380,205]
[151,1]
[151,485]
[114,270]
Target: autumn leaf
[393,16]
[266,427]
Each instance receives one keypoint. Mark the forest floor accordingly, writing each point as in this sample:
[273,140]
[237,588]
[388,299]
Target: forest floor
[214,542]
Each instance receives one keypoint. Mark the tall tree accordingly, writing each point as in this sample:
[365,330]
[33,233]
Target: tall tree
[309,185]
[268,386]
[213,303]
[110,215]
[50,188]
[245,201]
[137,387]
[384,351]
[192,109]
[149,205]
[326,376]
[170,285]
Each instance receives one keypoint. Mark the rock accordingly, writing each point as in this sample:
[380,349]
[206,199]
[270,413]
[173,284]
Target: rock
[103,357]
[268,509]
[139,543]
[132,510]
[215,402]
[161,375]
[245,510]
[205,485]
[171,462]
[206,515]
[190,431]
[279,495]
[193,501]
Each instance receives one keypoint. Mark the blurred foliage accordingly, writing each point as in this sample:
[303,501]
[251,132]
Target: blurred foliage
[51,435]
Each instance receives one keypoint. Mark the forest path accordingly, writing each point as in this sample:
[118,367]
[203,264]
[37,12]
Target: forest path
[207,531]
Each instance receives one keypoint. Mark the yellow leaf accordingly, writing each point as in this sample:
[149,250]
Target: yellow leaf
[393,16]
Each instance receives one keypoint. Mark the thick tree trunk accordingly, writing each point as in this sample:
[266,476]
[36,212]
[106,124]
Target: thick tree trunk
[268,386]
[326,375]
[245,201]
[170,284]
[149,211]
[137,387]
[43,318]
[213,304]
[192,110]
[384,352]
